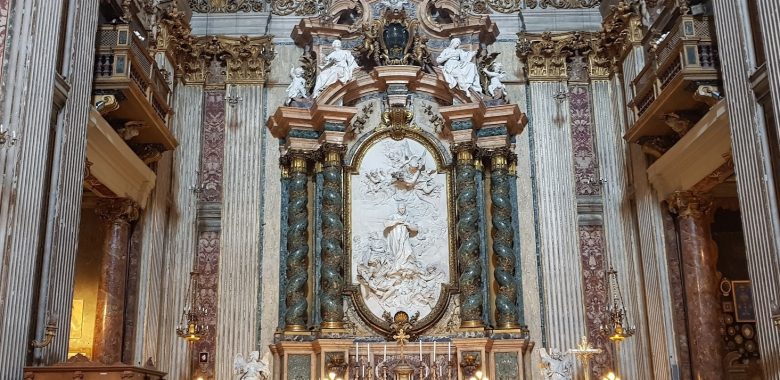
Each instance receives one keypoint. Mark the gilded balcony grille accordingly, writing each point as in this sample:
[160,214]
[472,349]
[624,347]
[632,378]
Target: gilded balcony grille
[124,65]
[678,61]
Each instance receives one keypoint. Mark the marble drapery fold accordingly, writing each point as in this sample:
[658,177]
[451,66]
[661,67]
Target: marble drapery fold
[470,280]
[296,316]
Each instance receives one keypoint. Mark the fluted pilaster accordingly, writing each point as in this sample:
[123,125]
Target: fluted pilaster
[635,358]
[297,306]
[503,242]
[759,221]
[239,260]
[560,257]
[117,214]
[470,276]
[332,272]
[700,259]
[181,236]
[30,74]
[56,297]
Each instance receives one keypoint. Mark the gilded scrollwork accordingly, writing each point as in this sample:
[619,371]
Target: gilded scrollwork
[562,4]
[227,6]
[554,56]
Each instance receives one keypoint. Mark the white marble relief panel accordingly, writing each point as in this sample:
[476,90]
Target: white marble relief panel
[399,228]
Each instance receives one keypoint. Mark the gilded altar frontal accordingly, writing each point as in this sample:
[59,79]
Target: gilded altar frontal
[389,189]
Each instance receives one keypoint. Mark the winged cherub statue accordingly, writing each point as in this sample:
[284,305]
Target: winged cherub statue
[254,368]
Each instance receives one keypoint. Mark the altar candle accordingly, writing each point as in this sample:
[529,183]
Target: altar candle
[434,351]
[385,358]
[420,350]
[357,355]
[368,352]
[449,352]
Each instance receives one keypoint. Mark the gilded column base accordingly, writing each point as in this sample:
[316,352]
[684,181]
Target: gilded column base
[332,327]
[295,330]
[472,325]
[510,327]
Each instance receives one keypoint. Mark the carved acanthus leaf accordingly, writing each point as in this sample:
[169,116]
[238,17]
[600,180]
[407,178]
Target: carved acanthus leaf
[247,60]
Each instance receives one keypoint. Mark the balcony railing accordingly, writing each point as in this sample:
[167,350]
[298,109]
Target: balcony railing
[123,66]
[685,58]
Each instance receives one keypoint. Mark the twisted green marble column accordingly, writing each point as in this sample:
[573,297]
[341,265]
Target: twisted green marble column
[297,270]
[503,241]
[332,277]
[470,280]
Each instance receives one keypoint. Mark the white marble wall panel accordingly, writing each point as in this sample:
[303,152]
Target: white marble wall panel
[27,111]
[181,237]
[62,227]
[557,211]
[152,257]
[757,197]
[239,261]
[635,361]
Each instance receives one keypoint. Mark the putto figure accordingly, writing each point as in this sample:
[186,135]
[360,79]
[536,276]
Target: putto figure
[338,66]
[496,89]
[254,369]
[556,365]
[297,88]
[458,68]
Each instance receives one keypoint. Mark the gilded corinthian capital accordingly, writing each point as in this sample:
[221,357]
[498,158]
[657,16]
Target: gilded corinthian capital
[119,210]
[247,60]
[689,204]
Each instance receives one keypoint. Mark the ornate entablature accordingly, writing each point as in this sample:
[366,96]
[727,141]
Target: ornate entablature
[575,56]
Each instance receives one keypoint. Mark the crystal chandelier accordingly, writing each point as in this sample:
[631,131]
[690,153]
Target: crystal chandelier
[616,328]
[191,327]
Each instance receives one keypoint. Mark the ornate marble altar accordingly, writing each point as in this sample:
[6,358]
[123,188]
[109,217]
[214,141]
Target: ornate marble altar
[386,272]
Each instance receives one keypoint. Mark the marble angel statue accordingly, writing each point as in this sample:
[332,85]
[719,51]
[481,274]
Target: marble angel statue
[556,365]
[297,88]
[496,88]
[254,369]
[338,67]
[458,68]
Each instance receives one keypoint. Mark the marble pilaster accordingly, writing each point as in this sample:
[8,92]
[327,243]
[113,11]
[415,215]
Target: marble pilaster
[550,130]
[241,257]
[118,214]
[181,235]
[636,358]
[757,197]
[30,73]
[700,275]
[66,188]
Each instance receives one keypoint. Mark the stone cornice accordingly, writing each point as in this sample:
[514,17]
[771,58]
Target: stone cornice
[246,60]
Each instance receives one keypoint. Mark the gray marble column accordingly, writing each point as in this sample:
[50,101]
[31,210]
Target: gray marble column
[757,196]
